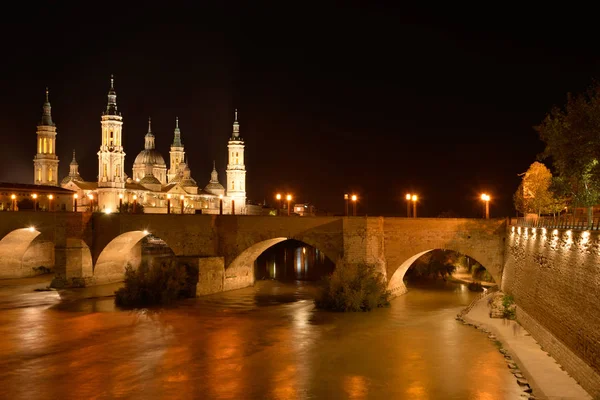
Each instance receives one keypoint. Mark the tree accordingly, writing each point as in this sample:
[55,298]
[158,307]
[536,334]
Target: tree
[535,194]
[571,136]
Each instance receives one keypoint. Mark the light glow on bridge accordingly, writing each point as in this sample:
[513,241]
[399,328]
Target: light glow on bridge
[31,228]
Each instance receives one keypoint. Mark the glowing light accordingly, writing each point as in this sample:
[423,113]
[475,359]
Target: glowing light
[289,197]
[544,231]
[532,230]
[555,232]
[120,195]
[408,196]
[31,228]
[512,229]
[137,179]
[169,196]
[569,232]
[485,197]
[345,196]
[107,211]
[278,197]
[12,196]
[91,196]
[221,196]
[145,232]
[34,195]
[519,230]
[75,196]
[304,250]
[181,197]
[135,196]
[50,196]
[415,197]
[586,234]
[354,197]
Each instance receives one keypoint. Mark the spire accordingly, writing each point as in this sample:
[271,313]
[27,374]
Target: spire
[74,161]
[177,136]
[111,108]
[236,126]
[47,116]
[149,138]
[214,175]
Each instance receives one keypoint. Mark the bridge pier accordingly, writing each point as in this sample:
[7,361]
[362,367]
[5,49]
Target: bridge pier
[72,264]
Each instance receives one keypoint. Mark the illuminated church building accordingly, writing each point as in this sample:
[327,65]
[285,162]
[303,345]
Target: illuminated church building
[153,183]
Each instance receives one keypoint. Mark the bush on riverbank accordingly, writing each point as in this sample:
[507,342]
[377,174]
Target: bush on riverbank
[156,284]
[353,287]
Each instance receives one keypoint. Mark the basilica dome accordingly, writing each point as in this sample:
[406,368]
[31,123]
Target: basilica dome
[150,156]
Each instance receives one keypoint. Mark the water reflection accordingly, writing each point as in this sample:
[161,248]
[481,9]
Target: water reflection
[292,260]
[240,345]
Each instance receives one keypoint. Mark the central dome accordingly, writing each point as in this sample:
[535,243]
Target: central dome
[150,156]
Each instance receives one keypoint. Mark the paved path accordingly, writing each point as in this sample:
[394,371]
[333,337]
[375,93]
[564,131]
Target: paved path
[545,377]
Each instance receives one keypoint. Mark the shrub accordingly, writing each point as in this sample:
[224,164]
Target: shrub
[155,284]
[508,302]
[353,287]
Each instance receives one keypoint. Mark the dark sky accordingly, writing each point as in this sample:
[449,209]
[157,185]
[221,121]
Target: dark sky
[372,99]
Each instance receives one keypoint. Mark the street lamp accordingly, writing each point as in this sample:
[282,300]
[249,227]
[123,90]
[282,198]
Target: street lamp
[289,199]
[486,198]
[408,197]
[181,200]
[278,197]
[220,204]
[414,199]
[75,202]
[134,203]
[232,206]
[34,201]
[120,202]
[169,203]
[346,203]
[354,199]
[13,198]
[91,197]
[50,197]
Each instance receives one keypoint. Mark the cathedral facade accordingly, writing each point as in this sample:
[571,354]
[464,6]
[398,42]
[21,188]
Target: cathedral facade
[153,185]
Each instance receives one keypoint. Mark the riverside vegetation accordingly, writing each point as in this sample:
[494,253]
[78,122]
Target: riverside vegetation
[159,283]
[353,287]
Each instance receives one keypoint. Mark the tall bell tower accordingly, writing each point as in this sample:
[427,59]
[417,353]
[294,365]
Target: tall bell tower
[236,169]
[45,162]
[111,157]
[176,154]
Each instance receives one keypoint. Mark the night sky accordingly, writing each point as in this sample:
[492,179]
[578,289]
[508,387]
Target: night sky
[374,100]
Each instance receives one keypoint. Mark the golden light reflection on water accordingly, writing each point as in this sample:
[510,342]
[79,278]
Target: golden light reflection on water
[228,347]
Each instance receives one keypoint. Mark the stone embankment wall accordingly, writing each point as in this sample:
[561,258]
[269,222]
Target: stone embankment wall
[554,276]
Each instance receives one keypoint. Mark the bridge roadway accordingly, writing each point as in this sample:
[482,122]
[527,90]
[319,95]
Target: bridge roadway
[94,249]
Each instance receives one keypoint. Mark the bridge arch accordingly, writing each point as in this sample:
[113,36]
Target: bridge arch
[124,249]
[239,272]
[396,281]
[23,253]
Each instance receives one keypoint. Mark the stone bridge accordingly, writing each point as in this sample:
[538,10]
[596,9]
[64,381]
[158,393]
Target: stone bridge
[95,248]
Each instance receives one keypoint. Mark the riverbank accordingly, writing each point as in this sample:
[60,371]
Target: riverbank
[538,369]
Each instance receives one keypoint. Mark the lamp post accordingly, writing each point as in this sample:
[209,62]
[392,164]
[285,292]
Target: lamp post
[168,203]
[289,199]
[220,204]
[91,197]
[408,197]
[354,199]
[278,197]
[13,200]
[232,206]
[75,202]
[414,199]
[134,203]
[34,201]
[50,197]
[486,198]
[120,202]
[346,204]
[181,198]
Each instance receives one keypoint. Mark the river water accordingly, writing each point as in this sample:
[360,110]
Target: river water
[263,342]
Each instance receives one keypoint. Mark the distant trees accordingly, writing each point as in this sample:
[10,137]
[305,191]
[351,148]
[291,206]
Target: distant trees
[535,194]
[572,142]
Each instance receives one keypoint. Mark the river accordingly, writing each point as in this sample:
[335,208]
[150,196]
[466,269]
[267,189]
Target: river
[262,342]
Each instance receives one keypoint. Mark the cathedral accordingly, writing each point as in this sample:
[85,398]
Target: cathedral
[152,187]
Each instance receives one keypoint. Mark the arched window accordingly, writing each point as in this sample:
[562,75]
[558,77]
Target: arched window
[39,145]
[232,185]
[50,146]
[50,175]
[45,145]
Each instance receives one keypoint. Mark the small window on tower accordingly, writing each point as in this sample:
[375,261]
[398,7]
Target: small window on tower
[232,185]
[111,138]
[50,175]
[39,174]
